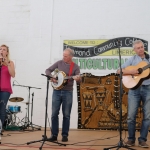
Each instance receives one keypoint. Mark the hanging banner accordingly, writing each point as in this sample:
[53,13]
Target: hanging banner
[102,54]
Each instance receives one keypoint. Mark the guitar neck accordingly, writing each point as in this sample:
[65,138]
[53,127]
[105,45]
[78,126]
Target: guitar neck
[146,67]
[81,75]
[69,77]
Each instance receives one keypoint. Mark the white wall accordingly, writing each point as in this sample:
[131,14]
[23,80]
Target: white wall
[35,29]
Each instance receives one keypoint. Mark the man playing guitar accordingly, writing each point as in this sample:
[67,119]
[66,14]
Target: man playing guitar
[138,95]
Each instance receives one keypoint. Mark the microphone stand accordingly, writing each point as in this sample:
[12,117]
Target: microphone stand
[120,143]
[32,107]
[44,137]
[28,124]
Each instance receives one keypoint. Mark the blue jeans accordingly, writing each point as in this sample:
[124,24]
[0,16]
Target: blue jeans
[4,96]
[65,98]
[134,99]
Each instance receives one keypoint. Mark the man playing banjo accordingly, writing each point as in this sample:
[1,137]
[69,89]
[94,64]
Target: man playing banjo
[63,94]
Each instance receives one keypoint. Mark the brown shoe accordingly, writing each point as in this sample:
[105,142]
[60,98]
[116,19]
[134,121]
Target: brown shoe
[130,143]
[143,144]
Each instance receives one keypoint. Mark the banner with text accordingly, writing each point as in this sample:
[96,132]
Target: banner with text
[102,55]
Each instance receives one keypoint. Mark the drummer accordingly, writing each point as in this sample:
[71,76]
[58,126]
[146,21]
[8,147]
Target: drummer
[7,70]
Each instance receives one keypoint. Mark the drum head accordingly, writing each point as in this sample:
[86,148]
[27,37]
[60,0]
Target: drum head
[14,109]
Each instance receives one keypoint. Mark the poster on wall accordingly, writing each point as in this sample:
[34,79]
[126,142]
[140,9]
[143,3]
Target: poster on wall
[101,56]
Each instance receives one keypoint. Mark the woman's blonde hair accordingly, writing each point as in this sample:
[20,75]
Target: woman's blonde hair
[8,55]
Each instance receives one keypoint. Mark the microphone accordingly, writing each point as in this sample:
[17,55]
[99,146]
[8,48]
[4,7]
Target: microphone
[46,76]
[49,76]
[2,58]
[117,41]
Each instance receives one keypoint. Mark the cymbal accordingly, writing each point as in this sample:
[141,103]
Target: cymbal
[16,99]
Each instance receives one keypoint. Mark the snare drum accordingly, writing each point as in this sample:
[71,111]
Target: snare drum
[14,109]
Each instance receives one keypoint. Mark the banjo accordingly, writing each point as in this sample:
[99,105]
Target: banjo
[62,80]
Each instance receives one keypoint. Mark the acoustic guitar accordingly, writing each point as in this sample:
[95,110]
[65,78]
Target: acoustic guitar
[134,81]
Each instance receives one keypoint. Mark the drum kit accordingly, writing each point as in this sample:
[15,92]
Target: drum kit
[11,111]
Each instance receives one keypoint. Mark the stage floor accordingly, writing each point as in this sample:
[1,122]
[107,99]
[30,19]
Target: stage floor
[78,140]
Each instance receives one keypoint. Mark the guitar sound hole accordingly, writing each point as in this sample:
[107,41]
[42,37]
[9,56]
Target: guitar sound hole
[140,70]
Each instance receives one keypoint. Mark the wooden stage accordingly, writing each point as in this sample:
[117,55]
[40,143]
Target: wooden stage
[78,140]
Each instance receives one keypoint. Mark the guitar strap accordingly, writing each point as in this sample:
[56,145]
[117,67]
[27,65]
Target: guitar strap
[71,68]
[147,56]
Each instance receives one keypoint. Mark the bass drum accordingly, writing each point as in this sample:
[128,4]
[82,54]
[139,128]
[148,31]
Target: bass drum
[8,118]
[14,109]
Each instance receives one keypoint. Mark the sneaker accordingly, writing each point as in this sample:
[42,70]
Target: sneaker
[130,143]
[143,144]
[52,138]
[64,139]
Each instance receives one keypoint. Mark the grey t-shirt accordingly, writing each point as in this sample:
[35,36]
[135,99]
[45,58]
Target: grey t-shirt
[62,66]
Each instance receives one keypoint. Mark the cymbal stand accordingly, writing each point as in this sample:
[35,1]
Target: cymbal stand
[14,119]
[37,127]
[44,137]
[32,107]
[25,119]
[29,124]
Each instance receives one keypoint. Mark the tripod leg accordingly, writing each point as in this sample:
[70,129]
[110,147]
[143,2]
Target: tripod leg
[26,123]
[36,127]
[41,145]
[120,145]
[44,139]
